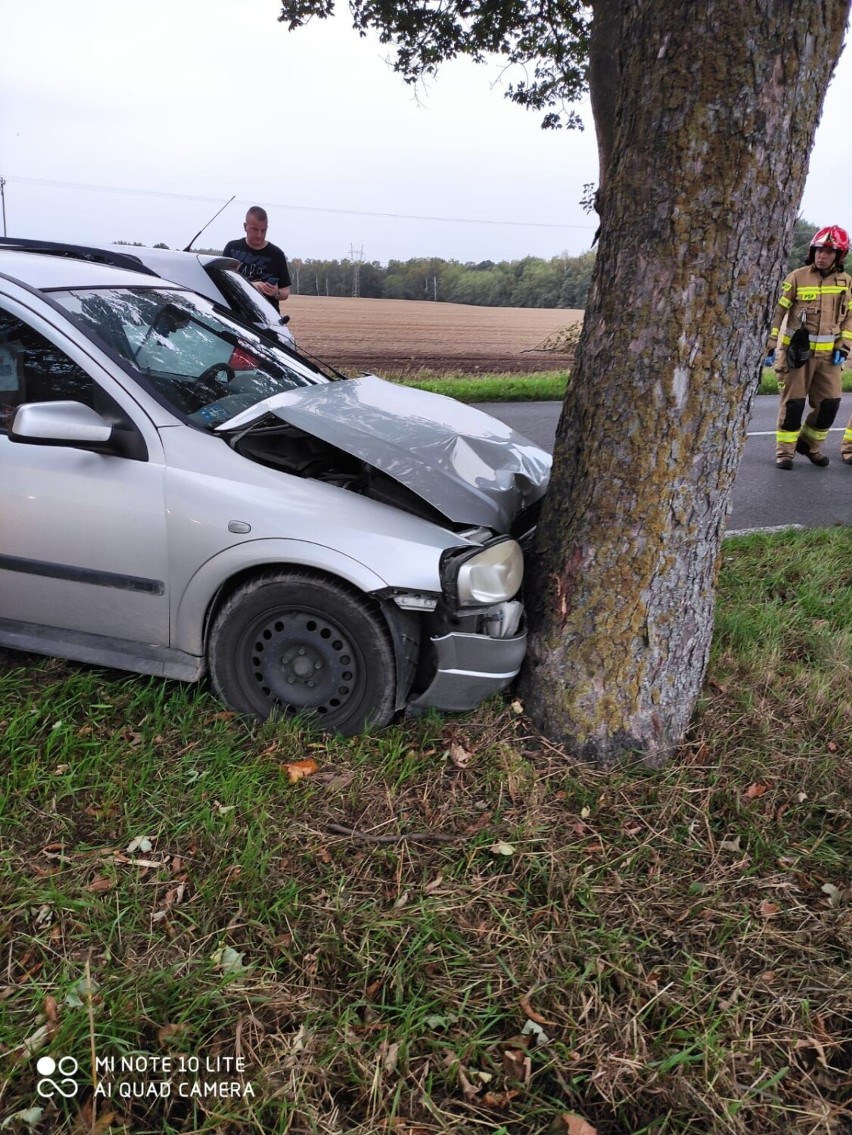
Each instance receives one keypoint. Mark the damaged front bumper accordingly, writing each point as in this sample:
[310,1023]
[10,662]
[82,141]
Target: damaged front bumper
[469,668]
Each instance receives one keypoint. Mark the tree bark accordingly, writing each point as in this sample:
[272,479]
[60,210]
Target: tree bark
[706,156]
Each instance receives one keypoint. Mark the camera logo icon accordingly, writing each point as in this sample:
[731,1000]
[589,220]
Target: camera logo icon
[65,1068]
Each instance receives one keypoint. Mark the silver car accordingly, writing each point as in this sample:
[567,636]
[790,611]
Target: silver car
[180,497]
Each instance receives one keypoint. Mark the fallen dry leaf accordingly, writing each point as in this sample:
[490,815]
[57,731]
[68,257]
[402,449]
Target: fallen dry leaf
[390,1056]
[833,892]
[173,897]
[498,1101]
[101,883]
[295,770]
[754,790]
[531,1013]
[517,1065]
[576,1125]
[51,1012]
[87,1122]
[139,843]
[769,909]
[459,755]
[469,1089]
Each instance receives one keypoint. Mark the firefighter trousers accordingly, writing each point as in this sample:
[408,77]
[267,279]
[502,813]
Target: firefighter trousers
[818,383]
[846,443]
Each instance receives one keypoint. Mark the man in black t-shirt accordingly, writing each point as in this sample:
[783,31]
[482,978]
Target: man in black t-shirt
[262,263]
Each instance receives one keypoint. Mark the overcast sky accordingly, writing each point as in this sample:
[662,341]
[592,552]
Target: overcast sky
[137,121]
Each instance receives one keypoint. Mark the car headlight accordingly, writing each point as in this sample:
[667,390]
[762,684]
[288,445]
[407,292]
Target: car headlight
[482,576]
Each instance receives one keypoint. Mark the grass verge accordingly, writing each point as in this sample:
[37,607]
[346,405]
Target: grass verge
[448,927]
[544,387]
[540,387]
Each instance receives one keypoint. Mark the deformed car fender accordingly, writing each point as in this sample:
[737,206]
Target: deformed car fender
[192,610]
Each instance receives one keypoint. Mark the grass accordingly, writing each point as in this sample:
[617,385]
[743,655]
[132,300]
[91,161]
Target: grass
[547,386]
[544,387]
[448,927]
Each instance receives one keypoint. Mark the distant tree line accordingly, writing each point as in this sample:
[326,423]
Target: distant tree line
[562,281]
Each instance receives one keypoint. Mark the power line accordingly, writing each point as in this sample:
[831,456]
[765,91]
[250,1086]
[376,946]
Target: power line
[295,208]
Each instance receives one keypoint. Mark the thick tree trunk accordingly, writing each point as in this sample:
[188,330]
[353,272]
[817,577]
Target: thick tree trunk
[714,118]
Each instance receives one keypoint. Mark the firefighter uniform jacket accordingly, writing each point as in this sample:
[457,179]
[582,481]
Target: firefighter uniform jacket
[822,304]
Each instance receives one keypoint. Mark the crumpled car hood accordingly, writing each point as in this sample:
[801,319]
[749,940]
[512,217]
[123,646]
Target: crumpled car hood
[471,467]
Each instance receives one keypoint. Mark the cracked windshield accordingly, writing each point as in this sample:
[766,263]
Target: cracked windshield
[194,359]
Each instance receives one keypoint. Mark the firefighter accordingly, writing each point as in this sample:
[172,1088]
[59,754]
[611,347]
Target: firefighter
[816,301]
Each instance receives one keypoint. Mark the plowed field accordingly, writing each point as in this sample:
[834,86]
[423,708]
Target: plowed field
[404,337]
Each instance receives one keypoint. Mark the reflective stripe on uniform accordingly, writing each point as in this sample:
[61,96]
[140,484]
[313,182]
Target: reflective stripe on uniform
[811,293]
[810,434]
[818,342]
[789,437]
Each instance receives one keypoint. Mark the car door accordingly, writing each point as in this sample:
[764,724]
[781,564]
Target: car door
[82,534]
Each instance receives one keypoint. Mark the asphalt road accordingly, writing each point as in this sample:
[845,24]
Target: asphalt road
[763,496]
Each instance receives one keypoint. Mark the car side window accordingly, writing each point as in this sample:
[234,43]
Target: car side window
[32,369]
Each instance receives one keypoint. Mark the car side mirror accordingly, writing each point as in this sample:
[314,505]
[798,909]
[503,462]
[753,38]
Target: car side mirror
[60,423]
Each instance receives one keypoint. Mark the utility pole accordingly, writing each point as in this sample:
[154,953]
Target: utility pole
[3,201]
[356,255]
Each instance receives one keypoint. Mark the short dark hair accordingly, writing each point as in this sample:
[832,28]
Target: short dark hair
[259,212]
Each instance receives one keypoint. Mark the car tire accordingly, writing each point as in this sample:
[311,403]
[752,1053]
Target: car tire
[292,643]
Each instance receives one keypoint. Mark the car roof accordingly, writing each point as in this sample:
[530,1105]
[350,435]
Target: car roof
[45,272]
[186,268]
[189,269]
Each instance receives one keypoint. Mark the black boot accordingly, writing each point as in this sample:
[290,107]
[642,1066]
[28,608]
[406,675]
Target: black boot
[817,458]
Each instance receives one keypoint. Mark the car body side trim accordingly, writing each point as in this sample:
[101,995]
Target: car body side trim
[83,575]
[100,650]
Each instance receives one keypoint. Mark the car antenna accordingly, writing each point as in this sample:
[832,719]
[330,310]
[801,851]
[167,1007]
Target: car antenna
[210,222]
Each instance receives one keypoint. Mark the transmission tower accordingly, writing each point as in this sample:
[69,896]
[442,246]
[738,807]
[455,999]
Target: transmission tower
[356,256]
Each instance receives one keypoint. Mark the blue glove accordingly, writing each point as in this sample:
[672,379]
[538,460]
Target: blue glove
[837,358]
[769,361]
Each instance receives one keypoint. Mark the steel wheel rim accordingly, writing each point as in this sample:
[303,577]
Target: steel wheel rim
[301,661]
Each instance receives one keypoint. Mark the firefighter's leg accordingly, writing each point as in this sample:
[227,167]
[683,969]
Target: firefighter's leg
[793,387]
[846,444]
[824,397]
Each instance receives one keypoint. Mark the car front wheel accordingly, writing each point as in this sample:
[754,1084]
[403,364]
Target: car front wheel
[290,643]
